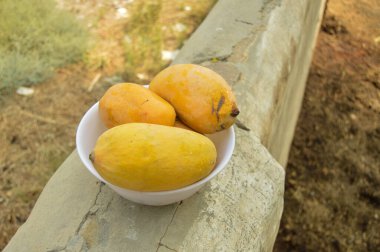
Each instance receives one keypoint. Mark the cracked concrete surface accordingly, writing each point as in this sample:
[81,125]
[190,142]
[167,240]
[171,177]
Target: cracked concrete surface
[263,49]
[232,212]
[167,227]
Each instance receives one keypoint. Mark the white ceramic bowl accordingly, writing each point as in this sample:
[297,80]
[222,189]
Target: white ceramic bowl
[91,127]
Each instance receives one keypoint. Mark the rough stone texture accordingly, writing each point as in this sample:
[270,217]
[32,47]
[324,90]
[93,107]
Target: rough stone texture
[235,212]
[75,212]
[263,48]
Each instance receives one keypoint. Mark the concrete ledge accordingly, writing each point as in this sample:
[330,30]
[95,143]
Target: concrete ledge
[77,213]
[263,48]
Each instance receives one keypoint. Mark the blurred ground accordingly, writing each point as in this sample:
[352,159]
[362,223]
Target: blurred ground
[332,196]
[37,132]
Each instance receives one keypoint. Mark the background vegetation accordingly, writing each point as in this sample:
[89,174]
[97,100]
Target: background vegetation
[35,39]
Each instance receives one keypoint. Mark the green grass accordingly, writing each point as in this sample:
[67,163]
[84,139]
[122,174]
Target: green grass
[147,38]
[143,50]
[35,39]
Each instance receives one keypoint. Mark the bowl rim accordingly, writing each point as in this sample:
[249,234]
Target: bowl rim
[223,162]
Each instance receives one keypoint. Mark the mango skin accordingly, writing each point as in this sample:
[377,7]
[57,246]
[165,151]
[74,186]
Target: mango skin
[181,125]
[149,157]
[128,102]
[202,99]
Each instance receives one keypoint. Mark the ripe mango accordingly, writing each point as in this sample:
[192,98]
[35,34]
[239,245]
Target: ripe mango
[149,157]
[128,102]
[181,125]
[202,99]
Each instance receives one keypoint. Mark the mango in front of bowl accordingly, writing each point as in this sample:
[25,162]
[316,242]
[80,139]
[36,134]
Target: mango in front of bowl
[149,157]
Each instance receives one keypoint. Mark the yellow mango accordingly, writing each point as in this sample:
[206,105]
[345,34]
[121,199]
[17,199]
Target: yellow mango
[128,102]
[149,157]
[181,125]
[202,99]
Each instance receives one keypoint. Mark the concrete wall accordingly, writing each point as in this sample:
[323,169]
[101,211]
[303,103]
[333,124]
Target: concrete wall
[263,48]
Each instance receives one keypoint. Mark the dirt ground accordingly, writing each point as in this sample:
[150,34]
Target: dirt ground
[332,196]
